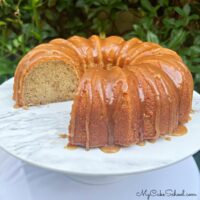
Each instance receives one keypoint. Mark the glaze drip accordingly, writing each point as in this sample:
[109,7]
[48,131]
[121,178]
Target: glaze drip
[181,130]
[110,149]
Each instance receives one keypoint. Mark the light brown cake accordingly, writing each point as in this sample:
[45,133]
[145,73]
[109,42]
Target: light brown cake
[129,91]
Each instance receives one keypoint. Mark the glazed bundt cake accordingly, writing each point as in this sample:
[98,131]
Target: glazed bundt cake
[128,91]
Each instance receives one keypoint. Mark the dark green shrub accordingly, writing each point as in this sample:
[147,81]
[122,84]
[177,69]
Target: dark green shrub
[24,24]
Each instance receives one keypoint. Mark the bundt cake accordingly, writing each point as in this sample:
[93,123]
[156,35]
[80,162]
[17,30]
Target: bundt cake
[128,91]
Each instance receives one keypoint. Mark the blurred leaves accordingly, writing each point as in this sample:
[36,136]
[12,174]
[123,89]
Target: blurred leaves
[151,37]
[173,24]
[177,38]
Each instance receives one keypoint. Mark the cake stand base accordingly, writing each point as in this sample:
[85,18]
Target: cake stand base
[97,180]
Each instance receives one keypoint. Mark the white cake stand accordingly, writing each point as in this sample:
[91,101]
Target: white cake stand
[33,136]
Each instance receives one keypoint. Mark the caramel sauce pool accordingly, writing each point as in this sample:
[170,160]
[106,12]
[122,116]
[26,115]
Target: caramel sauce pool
[110,149]
[152,141]
[71,147]
[181,130]
[63,135]
[141,143]
[167,138]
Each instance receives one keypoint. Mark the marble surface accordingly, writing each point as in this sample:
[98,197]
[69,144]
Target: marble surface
[33,136]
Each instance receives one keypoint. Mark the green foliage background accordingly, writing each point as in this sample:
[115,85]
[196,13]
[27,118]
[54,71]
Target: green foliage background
[26,23]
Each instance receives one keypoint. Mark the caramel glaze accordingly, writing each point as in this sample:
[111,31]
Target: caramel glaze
[132,91]
[71,147]
[167,138]
[110,149]
[152,141]
[141,143]
[180,130]
[105,149]
[86,53]
[109,103]
[63,135]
